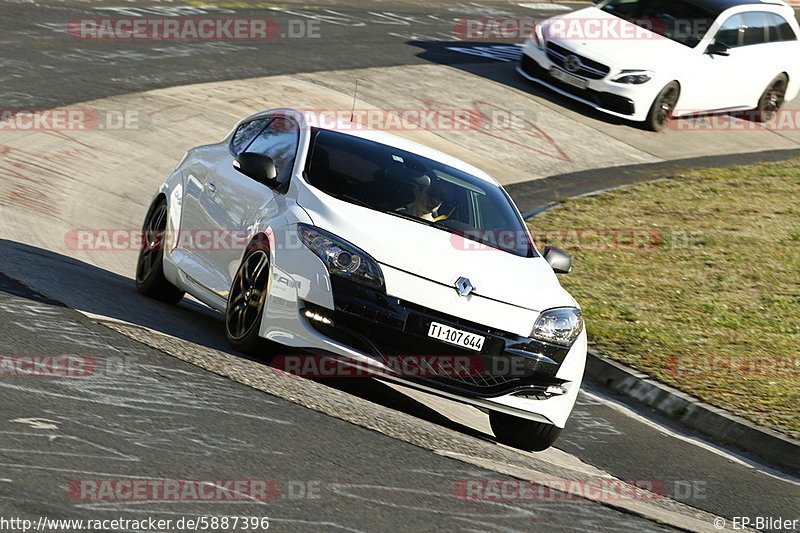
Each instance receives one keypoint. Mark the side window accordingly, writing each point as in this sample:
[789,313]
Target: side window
[779,29]
[245,133]
[279,141]
[729,33]
[744,30]
[755,28]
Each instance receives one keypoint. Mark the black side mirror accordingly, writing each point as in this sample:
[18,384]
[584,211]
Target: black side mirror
[559,260]
[718,49]
[259,167]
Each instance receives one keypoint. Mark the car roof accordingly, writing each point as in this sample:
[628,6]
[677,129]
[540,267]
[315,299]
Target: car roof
[719,6]
[311,119]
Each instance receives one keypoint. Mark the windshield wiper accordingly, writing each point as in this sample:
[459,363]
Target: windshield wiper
[412,218]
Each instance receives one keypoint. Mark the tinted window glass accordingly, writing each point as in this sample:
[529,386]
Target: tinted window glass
[245,133]
[679,20]
[730,33]
[745,29]
[404,184]
[779,28]
[754,28]
[279,141]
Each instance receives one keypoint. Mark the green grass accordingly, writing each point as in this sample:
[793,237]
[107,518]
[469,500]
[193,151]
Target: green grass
[723,280]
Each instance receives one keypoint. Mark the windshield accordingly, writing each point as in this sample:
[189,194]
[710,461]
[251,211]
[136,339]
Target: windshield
[678,20]
[406,185]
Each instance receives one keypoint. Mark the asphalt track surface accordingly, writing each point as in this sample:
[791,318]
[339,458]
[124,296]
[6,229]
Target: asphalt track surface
[160,417]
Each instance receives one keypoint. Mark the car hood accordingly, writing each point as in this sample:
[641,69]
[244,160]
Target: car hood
[617,53]
[439,256]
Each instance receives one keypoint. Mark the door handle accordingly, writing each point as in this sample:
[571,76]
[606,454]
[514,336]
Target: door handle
[210,187]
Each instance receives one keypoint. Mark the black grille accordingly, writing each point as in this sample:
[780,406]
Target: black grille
[615,102]
[380,325]
[590,69]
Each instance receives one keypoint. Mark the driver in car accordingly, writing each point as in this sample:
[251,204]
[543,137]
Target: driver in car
[428,198]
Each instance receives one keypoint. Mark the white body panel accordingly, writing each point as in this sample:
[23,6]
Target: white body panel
[205,192]
[708,82]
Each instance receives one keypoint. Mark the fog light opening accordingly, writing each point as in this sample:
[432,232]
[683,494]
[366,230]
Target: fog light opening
[313,315]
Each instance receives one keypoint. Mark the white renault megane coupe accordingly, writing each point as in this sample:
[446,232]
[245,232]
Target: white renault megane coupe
[362,245]
[651,60]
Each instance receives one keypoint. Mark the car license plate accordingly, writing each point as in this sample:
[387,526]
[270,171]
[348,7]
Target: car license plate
[455,336]
[569,79]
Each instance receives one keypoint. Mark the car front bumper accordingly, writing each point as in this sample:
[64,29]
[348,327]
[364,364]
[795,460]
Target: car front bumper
[626,101]
[368,325]
[377,324]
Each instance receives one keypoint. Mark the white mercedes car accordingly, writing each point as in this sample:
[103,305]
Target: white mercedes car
[651,60]
[363,245]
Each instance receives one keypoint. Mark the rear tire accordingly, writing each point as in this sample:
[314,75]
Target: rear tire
[246,302]
[772,99]
[663,107]
[150,279]
[521,433]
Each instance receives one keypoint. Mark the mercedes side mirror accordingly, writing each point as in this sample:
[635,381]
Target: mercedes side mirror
[718,49]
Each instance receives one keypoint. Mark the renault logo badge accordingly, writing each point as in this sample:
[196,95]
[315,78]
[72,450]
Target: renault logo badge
[464,287]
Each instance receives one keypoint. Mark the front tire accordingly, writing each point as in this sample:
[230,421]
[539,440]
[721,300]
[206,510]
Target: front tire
[663,107]
[246,302]
[772,99]
[521,433]
[150,279]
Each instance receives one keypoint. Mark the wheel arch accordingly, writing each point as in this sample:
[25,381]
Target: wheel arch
[264,240]
[251,342]
[680,87]
[792,85]
[159,197]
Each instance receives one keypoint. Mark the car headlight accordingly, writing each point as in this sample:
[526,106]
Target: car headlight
[561,325]
[634,77]
[342,258]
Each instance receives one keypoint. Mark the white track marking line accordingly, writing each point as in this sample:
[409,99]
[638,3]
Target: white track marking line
[744,461]
[542,6]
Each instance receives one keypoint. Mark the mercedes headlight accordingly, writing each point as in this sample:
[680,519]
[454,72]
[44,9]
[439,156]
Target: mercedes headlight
[561,325]
[634,77]
[342,258]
